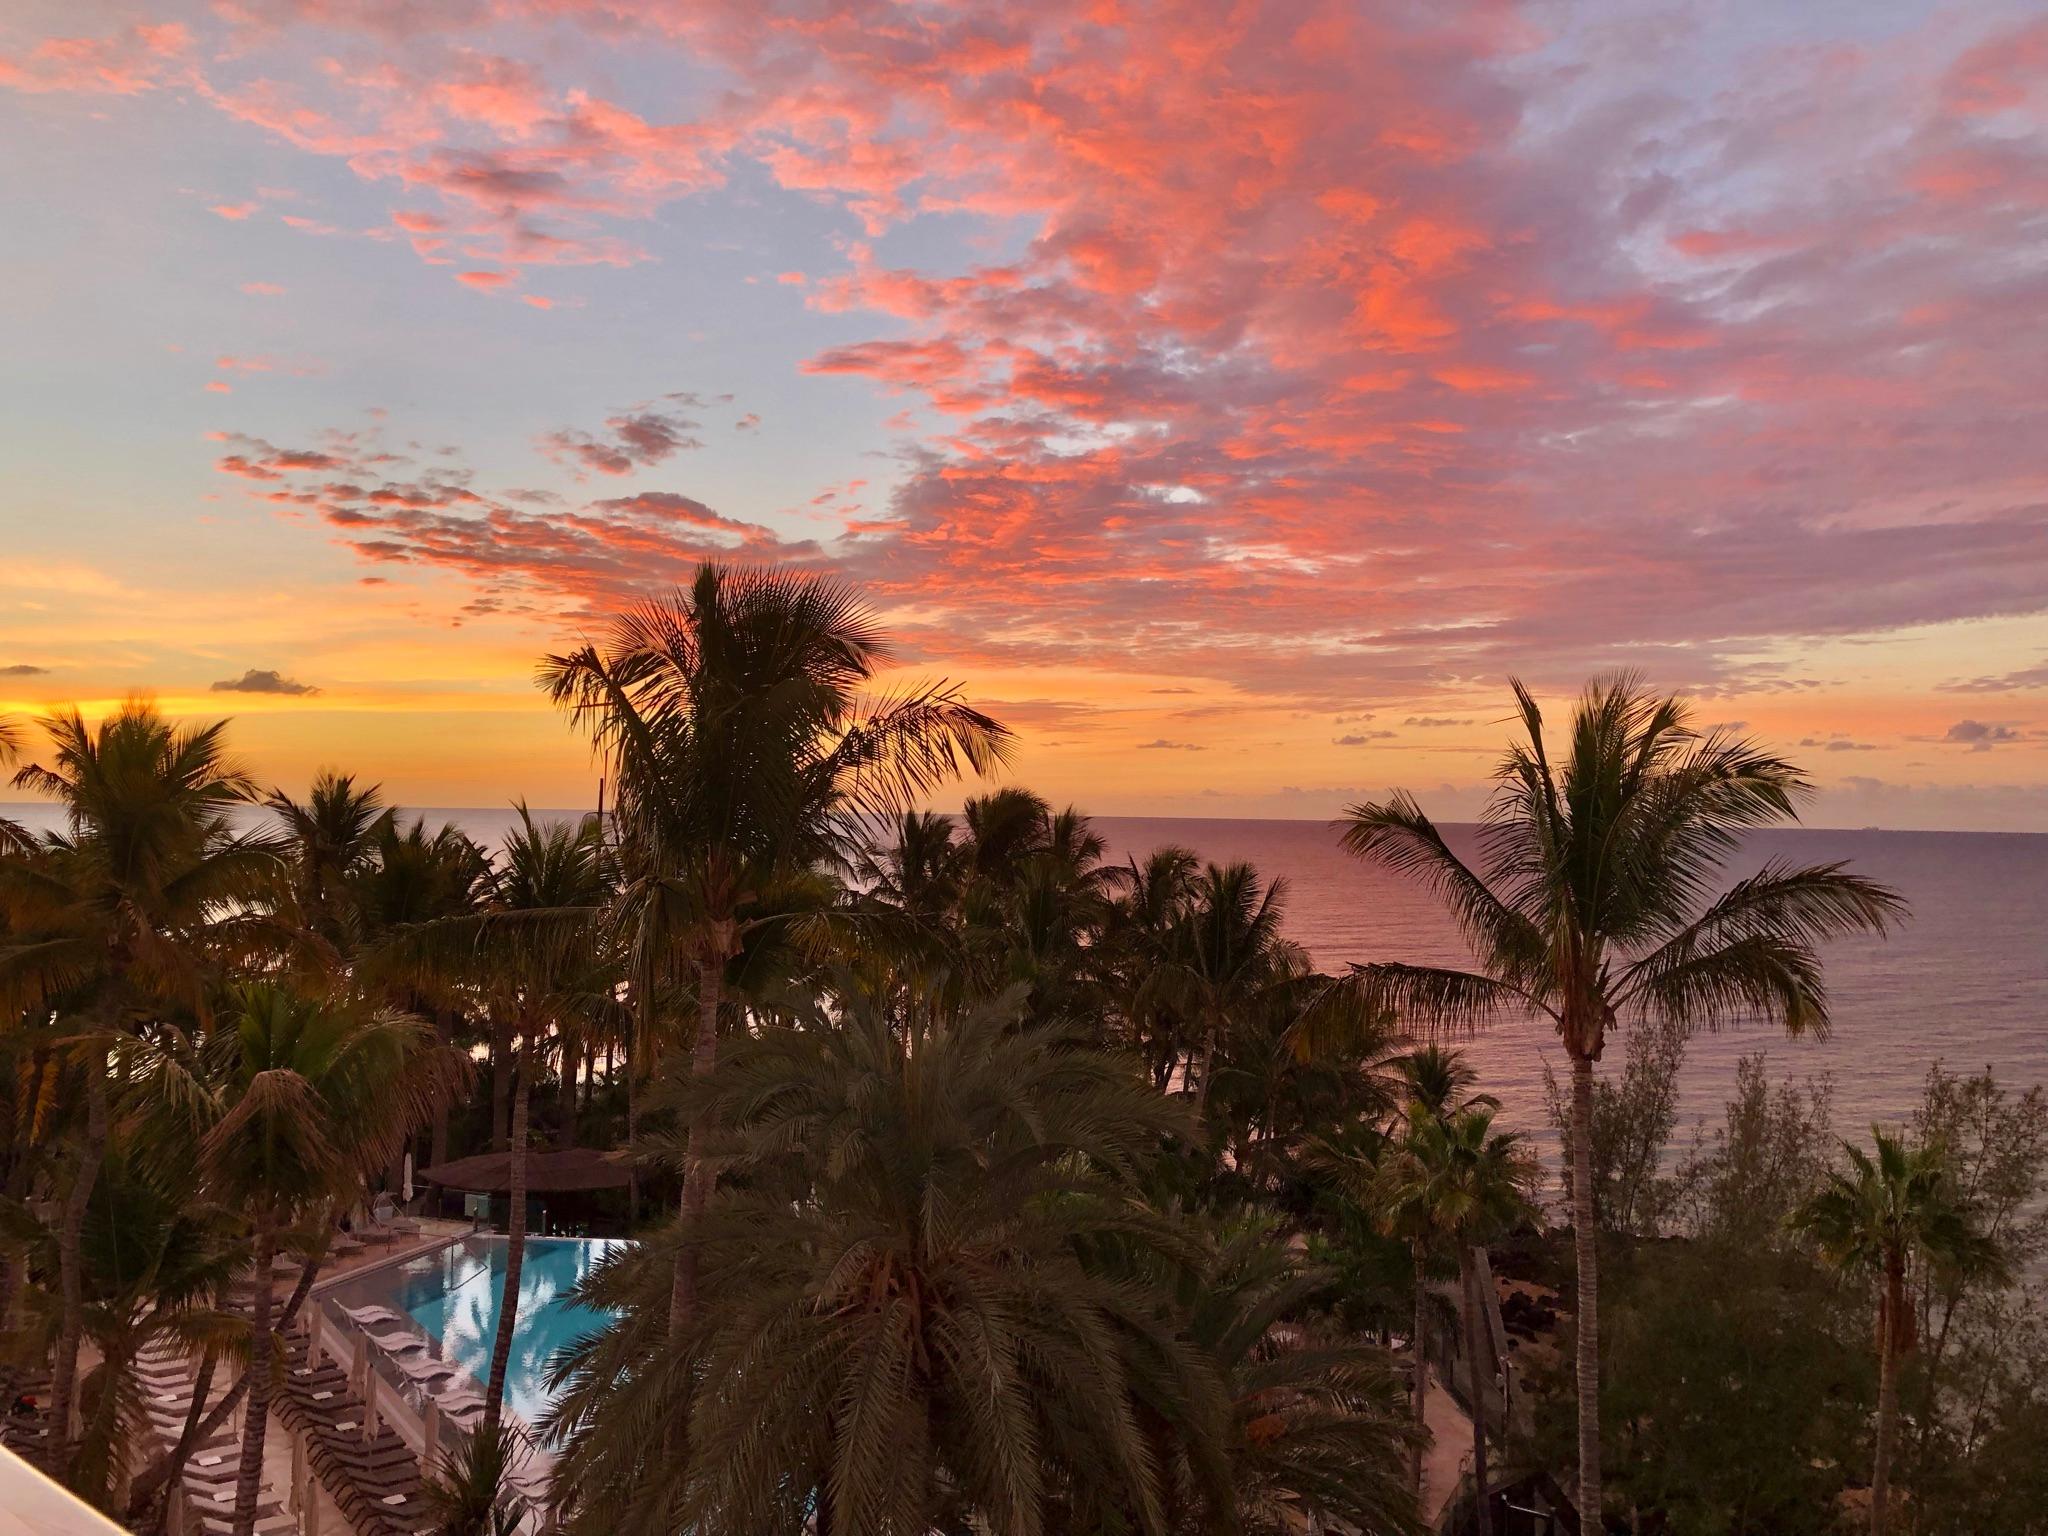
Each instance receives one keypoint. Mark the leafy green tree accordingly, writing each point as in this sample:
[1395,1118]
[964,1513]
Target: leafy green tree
[1597,898]
[1736,1393]
[898,1317]
[743,752]
[1887,1215]
[1632,1124]
[1980,1377]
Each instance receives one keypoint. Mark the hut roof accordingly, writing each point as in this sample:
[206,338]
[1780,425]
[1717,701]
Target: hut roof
[546,1172]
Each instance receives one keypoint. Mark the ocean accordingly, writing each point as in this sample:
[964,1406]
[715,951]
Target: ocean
[1963,982]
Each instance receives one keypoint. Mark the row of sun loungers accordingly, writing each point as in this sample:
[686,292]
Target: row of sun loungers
[208,1483]
[374,1478]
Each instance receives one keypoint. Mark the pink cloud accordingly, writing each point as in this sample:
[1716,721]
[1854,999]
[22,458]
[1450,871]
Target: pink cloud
[235,212]
[390,509]
[1402,344]
[127,64]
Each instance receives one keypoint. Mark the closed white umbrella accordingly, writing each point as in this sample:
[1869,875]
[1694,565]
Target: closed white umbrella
[408,1178]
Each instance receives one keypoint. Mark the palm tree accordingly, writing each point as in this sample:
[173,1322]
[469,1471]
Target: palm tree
[922,871]
[119,918]
[1439,1084]
[14,837]
[1315,1425]
[533,954]
[1882,1217]
[1597,897]
[302,1099]
[897,1317]
[732,723]
[471,1493]
[1229,952]
[154,1258]
[1143,929]
[415,878]
[1458,1180]
[330,842]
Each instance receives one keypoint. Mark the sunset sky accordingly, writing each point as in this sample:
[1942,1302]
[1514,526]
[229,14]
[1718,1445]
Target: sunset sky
[1231,395]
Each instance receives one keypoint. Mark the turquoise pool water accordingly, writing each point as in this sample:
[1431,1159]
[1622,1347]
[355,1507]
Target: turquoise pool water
[454,1295]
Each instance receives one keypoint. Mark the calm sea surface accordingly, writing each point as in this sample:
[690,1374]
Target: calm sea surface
[1964,982]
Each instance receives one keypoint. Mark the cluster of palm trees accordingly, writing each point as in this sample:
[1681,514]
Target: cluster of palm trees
[193,1097]
[996,1165]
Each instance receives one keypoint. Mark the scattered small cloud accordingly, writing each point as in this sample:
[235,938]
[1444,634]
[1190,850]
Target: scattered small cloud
[1434,722]
[2005,682]
[263,290]
[1835,744]
[537,301]
[1979,736]
[24,669]
[1361,738]
[234,212]
[747,423]
[636,439]
[1161,744]
[484,280]
[264,680]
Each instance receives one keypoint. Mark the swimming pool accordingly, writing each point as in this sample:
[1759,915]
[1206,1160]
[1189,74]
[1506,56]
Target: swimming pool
[454,1295]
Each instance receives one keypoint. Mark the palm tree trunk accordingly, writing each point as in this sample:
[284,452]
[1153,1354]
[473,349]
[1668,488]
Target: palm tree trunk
[1888,1332]
[1479,1376]
[140,1497]
[1586,1247]
[70,1254]
[501,1085]
[256,1416]
[170,1464]
[1419,1387]
[632,1065]
[565,1133]
[696,1176]
[515,1247]
[437,1147]
[13,1272]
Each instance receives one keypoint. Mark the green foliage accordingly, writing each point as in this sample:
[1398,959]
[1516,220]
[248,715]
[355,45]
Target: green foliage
[1737,1386]
[1633,1119]
[895,1308]
[472,1492]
